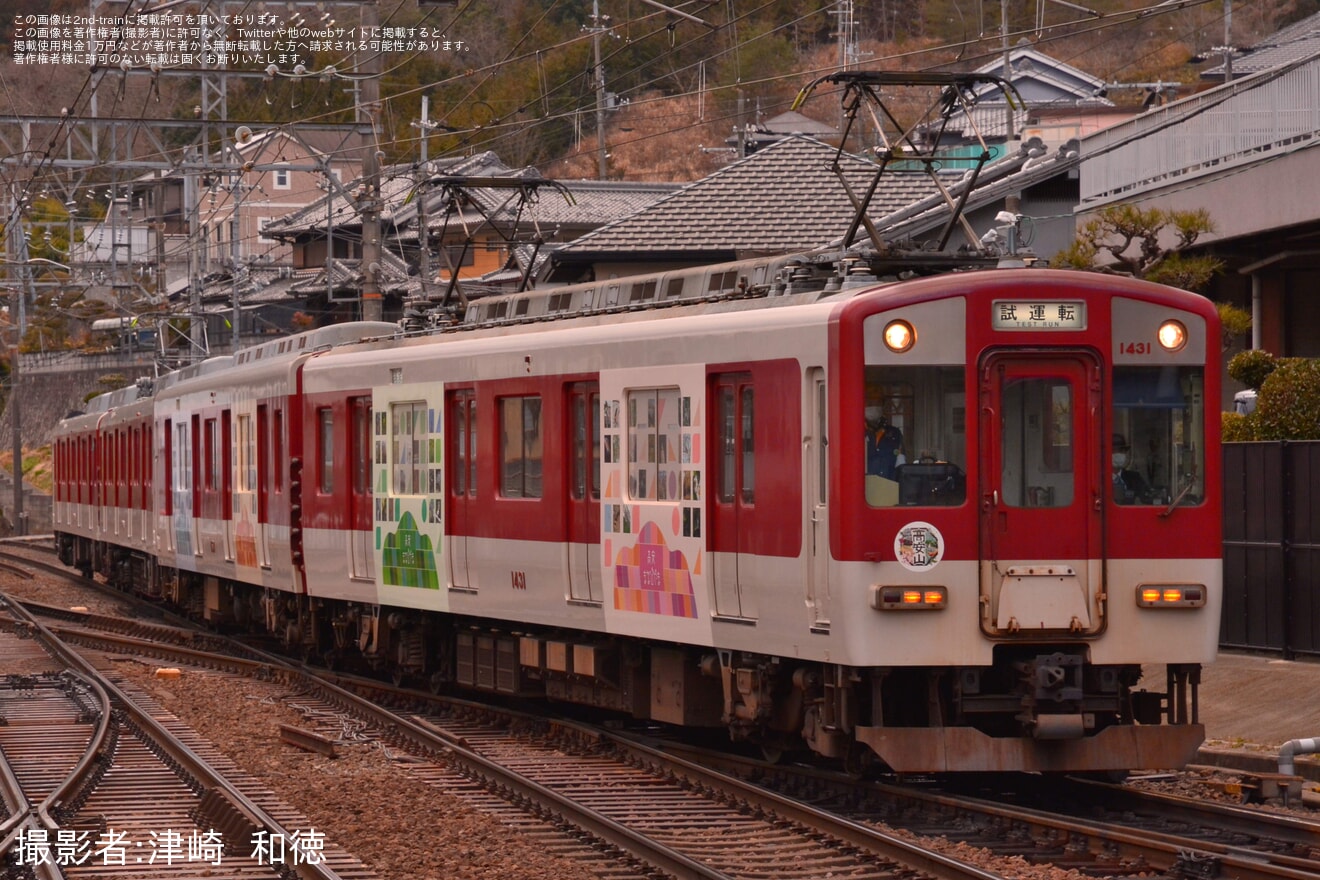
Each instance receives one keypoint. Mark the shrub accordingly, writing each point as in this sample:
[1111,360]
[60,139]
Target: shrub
[1288,406]
[1237,428]
[1233,323]
[1253,367]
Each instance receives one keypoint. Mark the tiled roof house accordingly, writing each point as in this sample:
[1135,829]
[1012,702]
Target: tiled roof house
[782,199]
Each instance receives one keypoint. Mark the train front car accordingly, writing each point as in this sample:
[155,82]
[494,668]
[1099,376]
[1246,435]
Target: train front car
[1026,488]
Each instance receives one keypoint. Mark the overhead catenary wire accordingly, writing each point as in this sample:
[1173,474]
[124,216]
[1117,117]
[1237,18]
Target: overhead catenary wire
[503,126]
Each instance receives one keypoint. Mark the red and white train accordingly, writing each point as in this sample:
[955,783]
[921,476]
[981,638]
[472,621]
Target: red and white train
[943,521]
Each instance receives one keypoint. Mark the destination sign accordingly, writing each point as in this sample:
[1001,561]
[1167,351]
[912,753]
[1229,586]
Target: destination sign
[1038,315]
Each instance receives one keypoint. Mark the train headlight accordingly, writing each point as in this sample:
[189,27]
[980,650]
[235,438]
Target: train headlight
[1172,335]
[908,598]
[899,336]
[1170,595]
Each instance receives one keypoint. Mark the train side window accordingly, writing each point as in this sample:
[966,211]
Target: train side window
[585,443]
[520,446]
[226,465]
[277,451]
[149,435]
[361,448]
[263,454]
[747,446]
[188,457]
[407,430]
[247,453]
[915,423]
[168,462]
[463,443]
[654,471]
[325,445]
[1157,448]
[211,454]
[1036,419]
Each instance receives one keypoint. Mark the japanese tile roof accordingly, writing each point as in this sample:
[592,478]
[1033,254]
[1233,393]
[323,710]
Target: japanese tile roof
[1295,42]
[393,277]
[781,199]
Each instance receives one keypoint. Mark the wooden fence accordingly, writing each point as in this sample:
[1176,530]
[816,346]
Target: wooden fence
[1272,547]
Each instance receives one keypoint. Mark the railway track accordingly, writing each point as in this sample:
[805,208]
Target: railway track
[612,777]
[665,822]
[1100,830]
[97,784]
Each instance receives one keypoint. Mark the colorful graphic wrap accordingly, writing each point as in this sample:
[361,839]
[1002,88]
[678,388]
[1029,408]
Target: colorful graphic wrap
[408,489]
[408,559]
[652,500]
[245,540]
[651,578]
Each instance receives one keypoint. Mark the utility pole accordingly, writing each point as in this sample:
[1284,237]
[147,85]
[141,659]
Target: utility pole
[423,233]
[16,420]
[602,166]
[236,259]
[1228,41]
[1008,74]
[367,111]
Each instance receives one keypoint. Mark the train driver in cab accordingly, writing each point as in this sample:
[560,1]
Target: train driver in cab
[884,444]
[1130,487]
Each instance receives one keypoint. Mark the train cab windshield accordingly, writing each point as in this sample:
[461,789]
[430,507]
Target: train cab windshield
[1157,447]
[915,423]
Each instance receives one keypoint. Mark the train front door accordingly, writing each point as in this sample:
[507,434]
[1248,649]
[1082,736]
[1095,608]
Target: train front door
[1041,494]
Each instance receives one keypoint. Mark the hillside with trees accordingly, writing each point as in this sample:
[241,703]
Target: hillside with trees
[519,78]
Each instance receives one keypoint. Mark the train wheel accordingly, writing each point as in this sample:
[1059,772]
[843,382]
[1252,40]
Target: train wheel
[859,761]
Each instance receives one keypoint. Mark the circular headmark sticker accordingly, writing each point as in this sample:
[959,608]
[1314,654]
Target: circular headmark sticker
[919,546]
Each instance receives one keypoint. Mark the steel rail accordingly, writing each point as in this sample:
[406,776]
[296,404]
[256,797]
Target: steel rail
[23,815]
[185,759]
[429,739]
[1162,850]
[21,818]
[1227,817]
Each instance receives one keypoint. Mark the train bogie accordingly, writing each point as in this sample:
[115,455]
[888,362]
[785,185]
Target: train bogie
[941,522]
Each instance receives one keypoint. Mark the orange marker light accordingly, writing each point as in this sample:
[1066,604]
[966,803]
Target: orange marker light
[911,597]
[934,597]
[1150,595]
[1173,595]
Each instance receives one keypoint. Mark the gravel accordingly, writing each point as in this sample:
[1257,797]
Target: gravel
[403,827]
[361,800]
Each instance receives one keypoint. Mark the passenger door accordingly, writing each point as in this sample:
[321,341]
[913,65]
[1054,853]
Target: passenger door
[264,469]
[816,466]
[1041,501]
[361,516]
[583,495]
[461,488]
[733,489]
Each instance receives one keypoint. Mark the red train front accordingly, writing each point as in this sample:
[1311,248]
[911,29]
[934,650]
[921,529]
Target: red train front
[1055,510]
[942,522]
